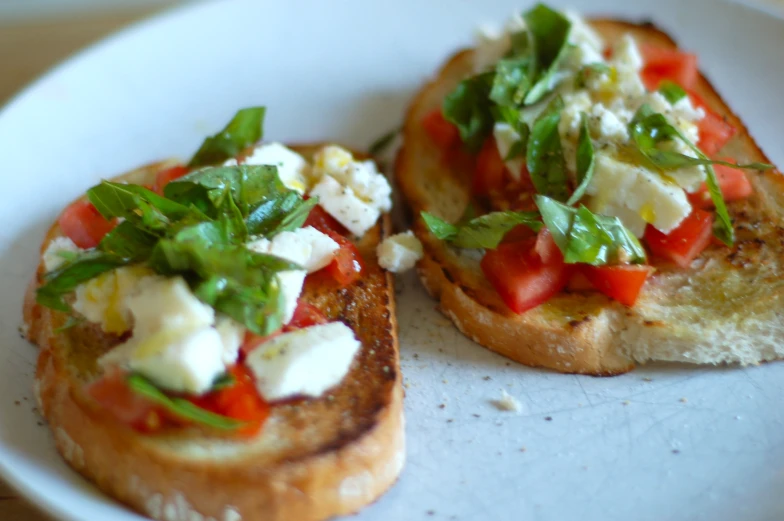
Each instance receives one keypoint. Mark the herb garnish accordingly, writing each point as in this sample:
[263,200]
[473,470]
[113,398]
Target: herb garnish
[244,129]
[486,231]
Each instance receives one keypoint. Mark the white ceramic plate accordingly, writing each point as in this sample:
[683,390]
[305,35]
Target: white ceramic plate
[663,442]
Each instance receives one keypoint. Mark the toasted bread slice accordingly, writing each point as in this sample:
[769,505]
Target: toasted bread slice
[726,308]
[313,459]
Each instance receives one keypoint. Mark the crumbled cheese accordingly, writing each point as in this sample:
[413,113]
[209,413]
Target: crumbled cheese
[305,246]
[399,252]
[304,362]
[505,136]
[54,256]
[507,402]
[343,204]
[292,167]
[291,287]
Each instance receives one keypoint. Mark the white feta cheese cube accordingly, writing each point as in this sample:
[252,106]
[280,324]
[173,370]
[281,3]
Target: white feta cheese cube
[399,252]
[292,167]
[626,54]
[306,246]
[305,362]
[364,179]
[342,203]
[581,34]
[291,287]
[167,303]
[53,256]
[231,334]
[608,126]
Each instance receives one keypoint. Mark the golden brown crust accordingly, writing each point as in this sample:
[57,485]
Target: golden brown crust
[313,460]
[585,332]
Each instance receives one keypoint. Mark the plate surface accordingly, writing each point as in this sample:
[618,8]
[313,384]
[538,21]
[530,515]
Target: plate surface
[664,442]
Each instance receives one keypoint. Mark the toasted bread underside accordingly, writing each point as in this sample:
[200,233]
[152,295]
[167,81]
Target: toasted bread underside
[726,308]
[314,459]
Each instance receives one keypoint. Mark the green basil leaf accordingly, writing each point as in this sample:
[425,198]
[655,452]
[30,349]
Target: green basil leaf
[244,129]
[64,280]
[511,82]
[128,242]
[296,217]
[248,185]
[382,143]
[72,321]
[282,214]
[585,161]
[549,30]
[544,154]
[671,91]
[223,381]
[585,237]
[671,160]
[181,407]
[592,69]
[468,107]
[486,231]
[259,309]
[137,204]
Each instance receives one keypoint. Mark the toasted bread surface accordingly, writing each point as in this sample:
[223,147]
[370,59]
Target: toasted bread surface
[314,458]
[726,308]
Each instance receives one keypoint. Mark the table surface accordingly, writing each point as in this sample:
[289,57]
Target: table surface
[39,45]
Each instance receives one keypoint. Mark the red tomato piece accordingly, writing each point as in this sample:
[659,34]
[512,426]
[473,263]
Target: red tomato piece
[441,131]
[490,169]
[668,64]
[306,315]
[119,401]
[322,221]
[714,130]
[347,266]
[733,182]
[622,282]
[521,277]
[683,244]
[240,401]
[163,177]
[84,225]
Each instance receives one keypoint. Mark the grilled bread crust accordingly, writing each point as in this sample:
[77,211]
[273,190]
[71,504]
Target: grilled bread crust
[727,307]
[314,458]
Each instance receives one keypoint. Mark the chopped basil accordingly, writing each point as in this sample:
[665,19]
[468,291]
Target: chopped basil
[585,161]
[138,205]
[672,92]
[512,81]
[180,407]
[64,280]
[585,237]
[649,129]
[544,154]
[549,30]
[468,107]
[223,381]
[383,142]
[244,129]
[128,242]
[486,231]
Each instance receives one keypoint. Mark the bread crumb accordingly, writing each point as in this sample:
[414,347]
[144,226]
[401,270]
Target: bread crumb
[548,418]
[647,379]
[442,406]
[626,402]
[683,400]
[507,402]
[445,381]
[523,449]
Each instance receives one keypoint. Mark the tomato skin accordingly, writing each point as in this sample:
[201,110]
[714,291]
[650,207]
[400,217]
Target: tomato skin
[621,282]
[115,397]
[306,315]
[240,401]
[668,64]
[84,225]
[490,169]
[521,277]
[442,132]
[714,131]
[164,177]
[322,221]
[685,243]
[733,182]
[347,266]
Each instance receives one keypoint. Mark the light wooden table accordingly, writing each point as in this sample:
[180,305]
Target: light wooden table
[28,49]
[36,47]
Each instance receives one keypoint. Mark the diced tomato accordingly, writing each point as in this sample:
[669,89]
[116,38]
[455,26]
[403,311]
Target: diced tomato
[306,315]
[622,282]
[163,177]
[118,400]
[714,130]
[84,225]
[683,244]
[521,277]
[322,221]
[347,266]
[490,169]
[240,401]
[733,182]
[662,63]
[441,131]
